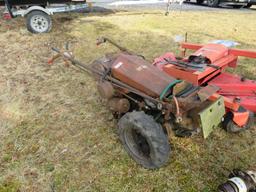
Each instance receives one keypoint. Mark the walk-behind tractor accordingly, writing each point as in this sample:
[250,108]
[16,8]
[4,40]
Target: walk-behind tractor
[150,102]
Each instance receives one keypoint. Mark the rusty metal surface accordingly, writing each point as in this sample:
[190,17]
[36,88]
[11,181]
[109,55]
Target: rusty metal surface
[106,90]
[132,74]
[102,65]
[121,105]
[206,92]
[189,102]
[138,73]
[180,87]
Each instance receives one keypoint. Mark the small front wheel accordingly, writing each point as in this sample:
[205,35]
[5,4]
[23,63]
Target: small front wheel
[144,139]
[231,127]
[39,22]
[248,6]
[199,2]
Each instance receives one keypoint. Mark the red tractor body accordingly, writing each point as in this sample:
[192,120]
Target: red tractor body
[137,73]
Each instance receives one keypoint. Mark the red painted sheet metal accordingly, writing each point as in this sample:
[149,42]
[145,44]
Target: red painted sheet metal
[235,52]
[235,87]
[241,118]
[192,46]
[138,73]
[229,103]
[198,77]
[222,63]
[212,52]
[248,103]
[243,53]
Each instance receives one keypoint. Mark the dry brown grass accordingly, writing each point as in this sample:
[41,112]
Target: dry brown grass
[57,135]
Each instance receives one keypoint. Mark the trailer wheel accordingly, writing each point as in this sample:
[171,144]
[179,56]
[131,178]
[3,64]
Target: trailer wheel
[39,22]
[213,3]
[199,2]
[248,6]
[144,139]
[231,127]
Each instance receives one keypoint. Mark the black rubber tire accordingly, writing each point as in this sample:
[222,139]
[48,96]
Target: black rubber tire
[144,139]
[248,6]
[46,20]
[238,6]
[231,127]
[199,2]
[213,3]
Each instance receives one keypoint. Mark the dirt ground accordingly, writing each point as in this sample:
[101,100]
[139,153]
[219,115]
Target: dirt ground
[56,134]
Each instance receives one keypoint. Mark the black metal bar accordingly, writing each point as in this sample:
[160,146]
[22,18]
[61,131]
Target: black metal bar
[105,39]
[191,65]
[123,49]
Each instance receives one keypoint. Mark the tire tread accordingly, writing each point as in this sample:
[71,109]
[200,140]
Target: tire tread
[155,134]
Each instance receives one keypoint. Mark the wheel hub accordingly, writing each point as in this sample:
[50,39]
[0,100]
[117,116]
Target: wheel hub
[140,146]
[39,23]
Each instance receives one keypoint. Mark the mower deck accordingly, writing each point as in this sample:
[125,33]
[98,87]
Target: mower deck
[237,88]
[206,66]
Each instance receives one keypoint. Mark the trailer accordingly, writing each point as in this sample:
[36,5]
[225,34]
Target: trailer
[38,13]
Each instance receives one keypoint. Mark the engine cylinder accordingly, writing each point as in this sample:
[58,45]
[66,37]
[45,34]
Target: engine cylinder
[120,105]
[106,89]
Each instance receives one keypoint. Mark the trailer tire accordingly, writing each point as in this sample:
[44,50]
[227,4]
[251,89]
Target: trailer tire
[213,3]
[38,22]
[231,127]
[144,139]
[199,2]
[248,6]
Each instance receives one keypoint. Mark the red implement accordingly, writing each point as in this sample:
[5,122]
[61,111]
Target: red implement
[206,66]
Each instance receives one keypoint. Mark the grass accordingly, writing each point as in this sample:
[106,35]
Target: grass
[56,134]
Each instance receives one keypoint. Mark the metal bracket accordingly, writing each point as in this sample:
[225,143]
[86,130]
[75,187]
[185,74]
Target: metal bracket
[212,116]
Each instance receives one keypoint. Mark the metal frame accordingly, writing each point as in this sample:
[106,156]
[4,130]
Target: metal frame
[50,10]
[234,52]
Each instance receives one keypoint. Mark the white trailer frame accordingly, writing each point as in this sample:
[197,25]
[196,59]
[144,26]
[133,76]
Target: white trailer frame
[50,9]
[37,15]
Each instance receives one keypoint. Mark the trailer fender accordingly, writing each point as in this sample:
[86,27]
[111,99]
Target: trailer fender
[36,8]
